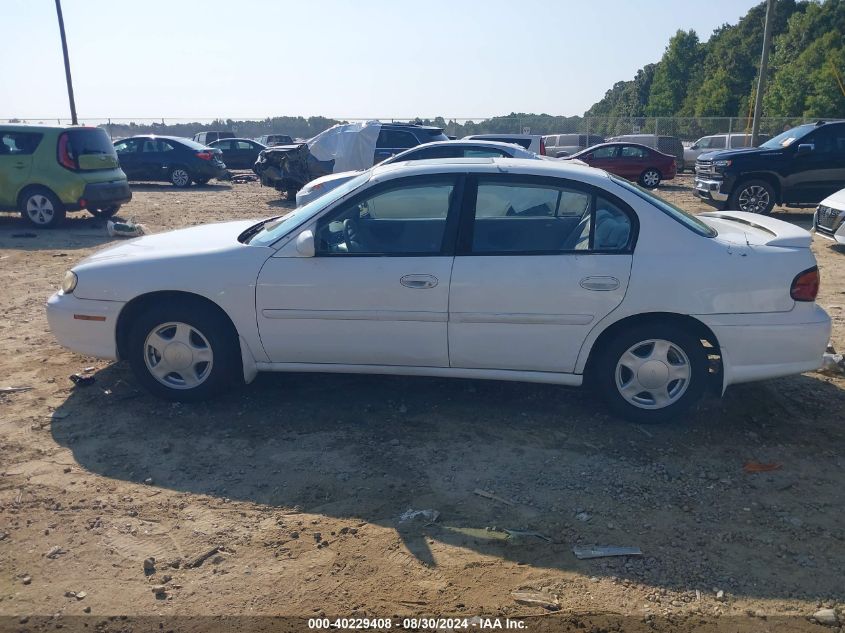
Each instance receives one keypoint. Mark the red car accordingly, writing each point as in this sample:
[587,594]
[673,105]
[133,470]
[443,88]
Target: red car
[639,163]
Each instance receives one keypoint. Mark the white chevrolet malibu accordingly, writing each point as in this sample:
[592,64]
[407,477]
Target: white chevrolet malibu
[473,268]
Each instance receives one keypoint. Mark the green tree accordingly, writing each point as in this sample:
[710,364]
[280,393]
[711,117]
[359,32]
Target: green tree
[671,77]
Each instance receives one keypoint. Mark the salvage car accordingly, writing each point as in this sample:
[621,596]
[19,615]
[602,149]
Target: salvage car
[428,151]
[170,159]
[239,153]
[800,166]
[637,163]
[47,171]
[496,268]
[829,218]
[270,140]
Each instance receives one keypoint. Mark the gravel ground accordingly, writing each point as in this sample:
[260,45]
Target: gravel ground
[284,497]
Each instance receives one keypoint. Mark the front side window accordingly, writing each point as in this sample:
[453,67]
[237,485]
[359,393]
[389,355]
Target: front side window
[19,143]
[128,146]
[408,218]
[829,140]
[605,152]
[244,145]
[526,217]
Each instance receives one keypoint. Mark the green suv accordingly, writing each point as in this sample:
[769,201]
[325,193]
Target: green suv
[47,171]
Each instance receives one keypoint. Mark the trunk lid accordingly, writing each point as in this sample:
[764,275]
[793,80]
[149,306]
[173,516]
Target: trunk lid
[739,227]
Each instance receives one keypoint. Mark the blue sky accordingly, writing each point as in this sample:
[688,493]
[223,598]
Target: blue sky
[364,58]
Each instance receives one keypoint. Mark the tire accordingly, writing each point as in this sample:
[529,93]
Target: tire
[650,178]
[105,213]
[652,372]
[201,181]
[753,196]
[184,352]
[180,177]
[41,208]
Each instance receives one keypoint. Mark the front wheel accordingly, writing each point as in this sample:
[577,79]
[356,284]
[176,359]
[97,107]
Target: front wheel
[753,196]
[42,208]
[652,372]
[184,352]
[179,177]
[650,178]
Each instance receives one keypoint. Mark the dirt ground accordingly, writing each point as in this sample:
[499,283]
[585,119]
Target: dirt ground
[283,498]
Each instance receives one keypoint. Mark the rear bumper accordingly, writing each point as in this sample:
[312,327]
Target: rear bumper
[771,345]
[208,169]
[84,325]
[106,194]
[710,190]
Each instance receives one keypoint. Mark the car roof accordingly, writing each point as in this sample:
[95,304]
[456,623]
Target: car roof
[414,126]
[526,166]
[228,138]
[170,138]
[33,127]
[483,136]
[475,143]
[614,143]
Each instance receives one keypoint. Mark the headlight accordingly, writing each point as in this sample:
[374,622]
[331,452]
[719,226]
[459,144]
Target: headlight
[722,163]
[69,282]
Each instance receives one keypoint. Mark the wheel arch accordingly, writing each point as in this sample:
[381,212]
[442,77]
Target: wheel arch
[34,186]
[768,177]
[702,331]
[138,304]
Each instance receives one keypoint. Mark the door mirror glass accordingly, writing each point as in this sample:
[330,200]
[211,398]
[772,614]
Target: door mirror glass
[305,243]
[695,146]
[805,148]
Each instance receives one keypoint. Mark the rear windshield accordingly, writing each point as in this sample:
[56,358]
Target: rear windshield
[676,213]
[191,144]
[90,142]
[522,141]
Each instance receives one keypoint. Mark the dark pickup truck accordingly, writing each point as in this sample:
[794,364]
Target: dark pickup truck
[801,166]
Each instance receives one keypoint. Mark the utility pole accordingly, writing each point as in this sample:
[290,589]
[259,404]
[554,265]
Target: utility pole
[67,63]
[764,68]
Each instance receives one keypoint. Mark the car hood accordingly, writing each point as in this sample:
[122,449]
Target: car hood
[836,200]
[730,154]
[322,180]
[195,240]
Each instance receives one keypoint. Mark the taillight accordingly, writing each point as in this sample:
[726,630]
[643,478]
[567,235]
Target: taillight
[205,155]
[65,158]
[805,286]
[542,147]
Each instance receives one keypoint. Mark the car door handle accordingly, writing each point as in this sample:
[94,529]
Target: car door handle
[19,165]
[418,281]
[600,283]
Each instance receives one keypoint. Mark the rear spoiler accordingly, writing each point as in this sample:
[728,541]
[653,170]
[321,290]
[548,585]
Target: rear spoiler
[783,233]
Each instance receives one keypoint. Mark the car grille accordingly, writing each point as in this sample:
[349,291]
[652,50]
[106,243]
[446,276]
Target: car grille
[705,169]
[830,218]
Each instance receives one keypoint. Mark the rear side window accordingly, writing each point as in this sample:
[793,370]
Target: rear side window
[631,151]
[717,142]
[90,142]
[19,143]
[396,139]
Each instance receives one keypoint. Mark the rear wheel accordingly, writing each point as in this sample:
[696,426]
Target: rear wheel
[753,196]
[42,208]
[183,351]
[179,177]
[650,178]
[652,372]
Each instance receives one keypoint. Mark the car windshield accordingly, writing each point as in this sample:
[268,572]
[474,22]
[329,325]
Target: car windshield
[278,228]
[787,138]
[676,213]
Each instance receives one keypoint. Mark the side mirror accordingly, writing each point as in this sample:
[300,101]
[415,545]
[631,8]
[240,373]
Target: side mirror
[805,148]
[305,243]
[694,146]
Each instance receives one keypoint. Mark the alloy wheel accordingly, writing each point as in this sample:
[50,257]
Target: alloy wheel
[178,355]
[39,209]
[754,199]
[651,178]
[653,374]
[180,177]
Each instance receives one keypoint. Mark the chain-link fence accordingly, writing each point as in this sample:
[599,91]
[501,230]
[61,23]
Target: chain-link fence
[687,129]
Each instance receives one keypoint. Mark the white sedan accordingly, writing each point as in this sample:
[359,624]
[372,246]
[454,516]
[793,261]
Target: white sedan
[504,269]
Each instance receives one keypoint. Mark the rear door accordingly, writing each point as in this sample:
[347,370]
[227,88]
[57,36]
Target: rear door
[539,262]
[16,150]
[632,161]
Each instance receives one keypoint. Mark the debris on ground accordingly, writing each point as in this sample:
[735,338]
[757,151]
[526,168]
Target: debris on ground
[199,560]
[583,517]
[760,467]
[240,179]
[582,553]
[832,364]
[82,379]
[159,590]
[14,389]
[125,229]
[149,565]
[409,515]
[55,552]
[827,617]
[536,599]
[492,497]
[521,534]
[720,596]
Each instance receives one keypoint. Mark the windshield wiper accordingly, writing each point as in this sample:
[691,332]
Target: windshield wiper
[244,237]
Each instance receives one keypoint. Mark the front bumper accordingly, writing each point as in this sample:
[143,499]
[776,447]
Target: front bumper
[770,345]
[832,226]
[85,326]
[710,190]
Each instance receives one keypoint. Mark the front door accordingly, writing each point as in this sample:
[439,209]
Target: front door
[603,157]
[540,261]
[128,153]
[377,290]
[819,172]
